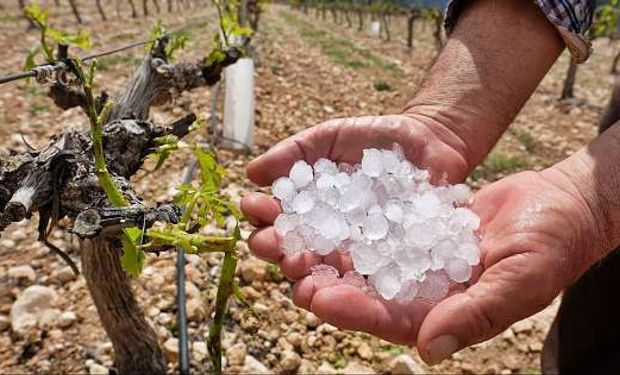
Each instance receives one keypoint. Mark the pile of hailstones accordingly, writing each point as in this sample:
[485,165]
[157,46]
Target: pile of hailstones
[410,238]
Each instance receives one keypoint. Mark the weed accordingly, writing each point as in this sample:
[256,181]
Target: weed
[525,137]
[498,162]
[381,86]
[37,108]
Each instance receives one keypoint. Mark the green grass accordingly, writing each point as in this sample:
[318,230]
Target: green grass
[337,360]
[37,108]
[342,51]
[393,349]
[498,162]
[525,137]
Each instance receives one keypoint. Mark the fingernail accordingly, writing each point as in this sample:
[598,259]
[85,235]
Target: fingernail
[441,348]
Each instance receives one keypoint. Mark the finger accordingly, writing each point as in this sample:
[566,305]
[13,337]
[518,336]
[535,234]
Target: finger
[503,295]
[298,266]
[260,209]
[341,261]
[348,307]
[309,145]
[265,244]
[303,290]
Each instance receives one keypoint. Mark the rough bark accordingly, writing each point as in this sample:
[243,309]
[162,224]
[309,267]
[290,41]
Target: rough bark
[347,18]
[386,27]
[360,20]
[145,8]
[569,81]
[75,11]
[100,10]
[59,181]
[134,12]
[136,349]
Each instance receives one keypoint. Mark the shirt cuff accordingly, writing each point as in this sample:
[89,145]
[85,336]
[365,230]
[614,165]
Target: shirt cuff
[572,19]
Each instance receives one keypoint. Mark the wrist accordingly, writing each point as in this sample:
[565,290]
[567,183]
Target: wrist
[467,132]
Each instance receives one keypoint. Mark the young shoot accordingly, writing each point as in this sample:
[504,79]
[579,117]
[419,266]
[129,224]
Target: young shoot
[39,17]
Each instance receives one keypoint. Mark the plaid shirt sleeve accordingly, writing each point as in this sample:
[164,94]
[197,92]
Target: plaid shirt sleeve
[572,19]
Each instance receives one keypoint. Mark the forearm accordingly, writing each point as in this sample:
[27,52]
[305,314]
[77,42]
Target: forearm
[593,176]
[497,54]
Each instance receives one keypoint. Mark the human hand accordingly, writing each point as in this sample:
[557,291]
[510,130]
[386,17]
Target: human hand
[424,142]
[538,236]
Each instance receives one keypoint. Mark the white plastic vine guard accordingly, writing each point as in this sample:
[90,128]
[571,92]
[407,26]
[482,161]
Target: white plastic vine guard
[375,28]
[239,104]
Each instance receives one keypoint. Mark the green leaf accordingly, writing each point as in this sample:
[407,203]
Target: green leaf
[211,172]
[36,14]
[132,259]
[30,64]
[166,145]
[81,39]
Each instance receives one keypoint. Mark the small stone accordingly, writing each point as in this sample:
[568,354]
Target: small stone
[355,368]
[253,366]
[97,369]
[289,361]
[171,350]
[404,364]
[536,346]
[63,275]
[199,350]
[295,339]
[191,290]
[307,367]
[312,320]
[364,351]
[253,270]
[195,310]
[31,307]
[24,275]
[236,354]
[66,319]
[523,326]
[326,368]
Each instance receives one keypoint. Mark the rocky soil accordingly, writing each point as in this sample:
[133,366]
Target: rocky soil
[309,70]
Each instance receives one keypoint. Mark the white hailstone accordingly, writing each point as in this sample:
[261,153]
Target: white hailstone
[458,270]
[284,223]
[325,167]
[375,227]
[293,243]
[393,210]
[301,174]
[469,252]
[324,276]
[387,281]
[365,260]
[303,202]
[372,162]
[402,232]
[283,189]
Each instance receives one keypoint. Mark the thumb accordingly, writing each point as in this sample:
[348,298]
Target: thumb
[507,291]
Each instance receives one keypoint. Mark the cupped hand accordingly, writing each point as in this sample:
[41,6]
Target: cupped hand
[424,142]
[537,232]
[534,227]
